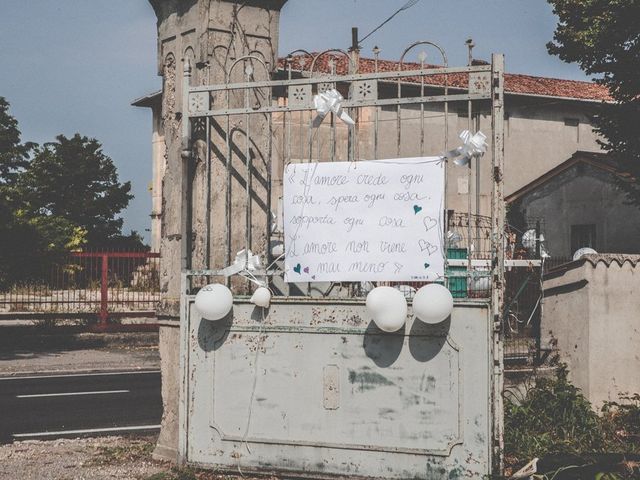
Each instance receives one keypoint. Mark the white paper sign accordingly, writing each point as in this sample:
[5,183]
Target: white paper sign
[364,221]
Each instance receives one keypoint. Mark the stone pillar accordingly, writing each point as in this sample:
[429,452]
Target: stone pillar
[211,35]
[158,162]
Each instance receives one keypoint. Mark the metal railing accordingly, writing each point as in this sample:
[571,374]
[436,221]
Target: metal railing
[523,312]
[395,112]
[92,284]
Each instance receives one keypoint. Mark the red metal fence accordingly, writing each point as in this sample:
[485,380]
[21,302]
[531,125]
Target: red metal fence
[100,284]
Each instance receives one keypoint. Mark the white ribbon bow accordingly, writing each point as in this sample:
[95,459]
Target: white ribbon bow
[472,146]
[330,101]
[245,260]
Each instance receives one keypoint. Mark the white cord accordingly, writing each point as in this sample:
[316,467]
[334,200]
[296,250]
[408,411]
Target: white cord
[272,263]
[253,388]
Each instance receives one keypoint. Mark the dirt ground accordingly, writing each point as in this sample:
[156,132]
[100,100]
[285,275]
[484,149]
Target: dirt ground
[122,458]
[80,459]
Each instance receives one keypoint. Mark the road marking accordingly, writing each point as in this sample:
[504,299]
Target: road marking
[90,430]
[64,394]
[33,377]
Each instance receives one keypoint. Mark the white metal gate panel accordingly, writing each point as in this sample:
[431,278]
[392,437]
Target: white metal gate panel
[315,388]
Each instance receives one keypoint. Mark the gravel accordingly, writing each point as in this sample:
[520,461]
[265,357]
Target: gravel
[123,458]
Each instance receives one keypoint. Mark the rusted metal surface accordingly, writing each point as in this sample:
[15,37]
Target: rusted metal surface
[498,254]
[320,389]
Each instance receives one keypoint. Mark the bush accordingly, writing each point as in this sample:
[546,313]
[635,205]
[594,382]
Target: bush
[554,419]
[621,422]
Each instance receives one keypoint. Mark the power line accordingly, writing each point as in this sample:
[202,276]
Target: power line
[406,6]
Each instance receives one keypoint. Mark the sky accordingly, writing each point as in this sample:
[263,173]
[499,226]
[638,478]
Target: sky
[76,65]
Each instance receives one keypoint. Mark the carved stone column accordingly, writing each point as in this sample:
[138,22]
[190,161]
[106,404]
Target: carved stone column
[211,35]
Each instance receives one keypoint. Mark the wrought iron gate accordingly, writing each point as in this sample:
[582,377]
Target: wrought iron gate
[312,386]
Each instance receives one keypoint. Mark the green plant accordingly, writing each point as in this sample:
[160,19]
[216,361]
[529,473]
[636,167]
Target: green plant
[621,421]
[552,417]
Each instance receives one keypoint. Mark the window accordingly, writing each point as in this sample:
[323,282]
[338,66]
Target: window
[583,236]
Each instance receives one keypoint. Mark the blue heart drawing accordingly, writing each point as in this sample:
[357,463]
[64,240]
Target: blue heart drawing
[426,265]
[416,209]
[297,268]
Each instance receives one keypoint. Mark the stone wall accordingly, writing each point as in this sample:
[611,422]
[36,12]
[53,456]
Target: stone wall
[590,315]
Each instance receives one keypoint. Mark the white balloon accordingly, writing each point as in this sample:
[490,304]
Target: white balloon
[261,297]
[583,251]
[214,301]
[433,303]
[388,307]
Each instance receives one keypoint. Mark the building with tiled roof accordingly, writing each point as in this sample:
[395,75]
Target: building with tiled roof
[514,83]
[547,120]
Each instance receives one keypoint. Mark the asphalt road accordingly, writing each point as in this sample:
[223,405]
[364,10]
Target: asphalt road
[55,406]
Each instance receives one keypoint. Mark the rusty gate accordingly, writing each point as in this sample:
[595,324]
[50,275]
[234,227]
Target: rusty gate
[311,386]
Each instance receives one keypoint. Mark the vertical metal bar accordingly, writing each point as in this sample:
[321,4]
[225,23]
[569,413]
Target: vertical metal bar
[332,139]
[477,128]
[398,116]
[185,154]
[301,135]
[269,164]
[497,249]
[422,59]
[65,294]
[82,269]
[248,180]
[115,270]
[445,214]
[318,135]
[354,132]
[310,138]
[288,127]
[376,54]
[104,292]
[470,243]
[227,209]
[94,273]
[183,397]
[207,262]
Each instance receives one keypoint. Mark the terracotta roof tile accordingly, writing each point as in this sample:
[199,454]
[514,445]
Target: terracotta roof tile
[514,83]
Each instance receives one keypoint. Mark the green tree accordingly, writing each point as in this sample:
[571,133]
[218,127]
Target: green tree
[73,179]
[14,154]
[17,238]
[55,198]
[603,37]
